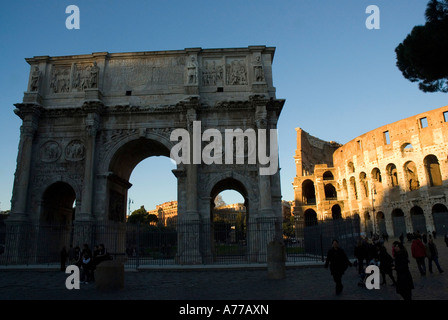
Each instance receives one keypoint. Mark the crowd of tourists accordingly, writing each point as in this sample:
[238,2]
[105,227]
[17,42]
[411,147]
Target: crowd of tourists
[85,259]
[373,251]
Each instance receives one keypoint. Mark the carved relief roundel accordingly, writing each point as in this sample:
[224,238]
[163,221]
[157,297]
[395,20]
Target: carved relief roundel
[50,151]
[75,151]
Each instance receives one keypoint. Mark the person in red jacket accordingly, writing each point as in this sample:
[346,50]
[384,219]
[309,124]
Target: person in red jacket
[418,251]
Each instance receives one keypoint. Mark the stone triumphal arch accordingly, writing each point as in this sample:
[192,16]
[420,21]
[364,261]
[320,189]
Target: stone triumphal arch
[88,120]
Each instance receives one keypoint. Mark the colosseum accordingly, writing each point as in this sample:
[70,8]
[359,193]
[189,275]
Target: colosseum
[394,178]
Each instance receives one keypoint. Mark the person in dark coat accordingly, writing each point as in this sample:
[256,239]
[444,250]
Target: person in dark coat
[405,283]
[338,262]
[77,261]
[386,263]
[360,254]
[433,255]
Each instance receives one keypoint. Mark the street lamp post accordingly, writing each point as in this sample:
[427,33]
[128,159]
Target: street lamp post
[373,192]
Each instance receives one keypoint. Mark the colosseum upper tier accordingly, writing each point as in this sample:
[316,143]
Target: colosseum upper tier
[394,177]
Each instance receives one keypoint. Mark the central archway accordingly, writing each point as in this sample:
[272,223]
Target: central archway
[119,236]
[125,159]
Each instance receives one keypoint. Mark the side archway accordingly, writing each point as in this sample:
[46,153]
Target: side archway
[228,229]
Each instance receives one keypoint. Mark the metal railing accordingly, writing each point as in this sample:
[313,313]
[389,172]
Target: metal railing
[198,243]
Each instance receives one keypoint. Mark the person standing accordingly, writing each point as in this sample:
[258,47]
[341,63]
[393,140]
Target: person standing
[433,255]
[386,263]
[360,254]
[338,262]
[71,255]
[405,283]
[418,251]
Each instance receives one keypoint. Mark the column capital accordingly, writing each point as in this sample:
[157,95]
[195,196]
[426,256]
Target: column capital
[28,111]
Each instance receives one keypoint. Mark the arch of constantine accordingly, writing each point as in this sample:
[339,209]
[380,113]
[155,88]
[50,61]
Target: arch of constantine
[88,120]
[395,178]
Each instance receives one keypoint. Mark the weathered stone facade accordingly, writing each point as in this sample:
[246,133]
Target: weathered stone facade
[393,177]
[88,120]
[166,213]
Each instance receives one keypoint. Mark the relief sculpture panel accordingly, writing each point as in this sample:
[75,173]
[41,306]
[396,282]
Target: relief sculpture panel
[212,72]
[85,76]
[60,79]
[236,71]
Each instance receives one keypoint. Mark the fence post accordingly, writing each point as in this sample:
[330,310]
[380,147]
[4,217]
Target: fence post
[137,251]
[321,247]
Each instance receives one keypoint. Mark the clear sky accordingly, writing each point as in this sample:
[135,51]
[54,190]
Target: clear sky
[339,78]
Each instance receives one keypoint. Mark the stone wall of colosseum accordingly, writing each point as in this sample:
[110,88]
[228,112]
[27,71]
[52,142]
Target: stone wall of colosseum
[394,177]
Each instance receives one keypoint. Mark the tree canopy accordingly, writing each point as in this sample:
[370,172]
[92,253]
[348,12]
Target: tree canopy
[422,56]
[142,216]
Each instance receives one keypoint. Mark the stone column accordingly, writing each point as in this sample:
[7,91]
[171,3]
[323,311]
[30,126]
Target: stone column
[30,116]
[19,233]
[189,222]
[91,126]
[264,181]
[83,225]
[266,220]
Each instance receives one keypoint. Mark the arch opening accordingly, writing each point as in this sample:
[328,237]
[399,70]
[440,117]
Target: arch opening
[330,192]
[328,175]
[228,222]
[336,212]
[432,167]
[310,217]
[55,232]
[440,216]
[392,175]
[412,182]
[399,225]
[308,192]
[123,163]
[418,219]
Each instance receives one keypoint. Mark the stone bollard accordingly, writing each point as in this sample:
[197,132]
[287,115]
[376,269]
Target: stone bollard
[276,260]
[109,275]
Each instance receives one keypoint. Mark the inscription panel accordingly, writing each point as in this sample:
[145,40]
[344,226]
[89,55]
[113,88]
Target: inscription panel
[144,74]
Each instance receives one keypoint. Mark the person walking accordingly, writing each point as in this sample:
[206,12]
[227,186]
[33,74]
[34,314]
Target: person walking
[86,267]
[71,254]
[360,254]
[338,262]
[77,261]
[404,283]
[418,251]
[433,255]
[386,263]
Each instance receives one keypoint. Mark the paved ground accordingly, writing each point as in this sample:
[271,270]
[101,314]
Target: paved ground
[304,283]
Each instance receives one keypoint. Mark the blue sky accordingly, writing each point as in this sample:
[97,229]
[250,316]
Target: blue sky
[339,78]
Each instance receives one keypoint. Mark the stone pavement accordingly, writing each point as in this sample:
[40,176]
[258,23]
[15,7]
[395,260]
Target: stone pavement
[300,283]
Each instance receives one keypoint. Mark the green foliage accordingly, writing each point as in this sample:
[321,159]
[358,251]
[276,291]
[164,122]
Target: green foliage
[288,227]
[422,56]
[142,216]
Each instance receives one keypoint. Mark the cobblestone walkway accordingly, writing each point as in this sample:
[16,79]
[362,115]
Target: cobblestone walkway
[300,283]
